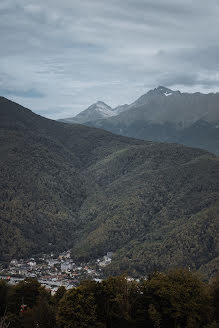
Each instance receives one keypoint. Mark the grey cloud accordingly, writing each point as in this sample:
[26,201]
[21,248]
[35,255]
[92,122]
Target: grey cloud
[189,79]
[202,57]
[30,93]
[57,57]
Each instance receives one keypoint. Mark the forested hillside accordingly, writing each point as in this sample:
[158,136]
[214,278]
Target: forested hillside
[154,205]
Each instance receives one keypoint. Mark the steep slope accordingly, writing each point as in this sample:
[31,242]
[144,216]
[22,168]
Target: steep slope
[155,205]
[160,208]
[97,111]
[170,116]
[41,186]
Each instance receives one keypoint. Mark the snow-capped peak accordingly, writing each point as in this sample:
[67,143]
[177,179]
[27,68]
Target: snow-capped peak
[101,104]
[168,94]
[162,91]
[102,108]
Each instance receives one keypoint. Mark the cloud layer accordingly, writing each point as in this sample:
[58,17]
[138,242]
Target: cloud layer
[58,57]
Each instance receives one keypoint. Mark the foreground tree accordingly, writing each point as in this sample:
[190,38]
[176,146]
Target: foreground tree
[4,288]
[41,315]
[25,292]
[114,302]
[77,309]
[214,288]
[177,299]
[59,295]
[4,323]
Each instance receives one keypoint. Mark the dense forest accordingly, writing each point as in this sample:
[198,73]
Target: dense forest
[154,205]
[178,298]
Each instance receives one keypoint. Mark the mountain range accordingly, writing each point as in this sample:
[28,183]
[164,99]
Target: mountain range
[165,115]
[155,205]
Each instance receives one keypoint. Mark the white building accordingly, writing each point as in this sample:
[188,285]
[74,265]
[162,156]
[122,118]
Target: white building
[31,263]
[66,266]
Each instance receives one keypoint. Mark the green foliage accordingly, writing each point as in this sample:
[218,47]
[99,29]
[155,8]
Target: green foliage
[3,297]
[176,299]
[214,288]
[115,300]
[41,315]
[154,205]
[25,292]
[154,216]
[59,294]
[40,309]
[77,309]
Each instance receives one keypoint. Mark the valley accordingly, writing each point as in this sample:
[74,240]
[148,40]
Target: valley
[154,205]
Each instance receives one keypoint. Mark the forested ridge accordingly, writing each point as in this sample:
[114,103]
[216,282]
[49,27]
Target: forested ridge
[178,298]
[154,205]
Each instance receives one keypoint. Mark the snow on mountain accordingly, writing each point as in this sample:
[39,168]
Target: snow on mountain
[165,115]
[157,106]
[103,108]
[97,111]
[168,94]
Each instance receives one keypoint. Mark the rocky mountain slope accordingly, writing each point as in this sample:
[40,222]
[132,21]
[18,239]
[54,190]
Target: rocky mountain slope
[97,111]
[168,116]
[154,205]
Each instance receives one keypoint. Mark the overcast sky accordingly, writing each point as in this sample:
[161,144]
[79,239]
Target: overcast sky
[59,57]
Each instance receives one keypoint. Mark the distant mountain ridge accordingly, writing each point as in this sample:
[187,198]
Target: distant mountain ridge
[154,205]
[170,116]
[165,115]
[97,111]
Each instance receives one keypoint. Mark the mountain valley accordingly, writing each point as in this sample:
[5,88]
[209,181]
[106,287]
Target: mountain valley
[154,205]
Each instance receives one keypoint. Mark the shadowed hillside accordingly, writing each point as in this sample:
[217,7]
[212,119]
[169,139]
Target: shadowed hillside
[155,205]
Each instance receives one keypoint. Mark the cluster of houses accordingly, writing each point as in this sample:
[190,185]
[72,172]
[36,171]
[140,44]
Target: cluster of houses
[55,271]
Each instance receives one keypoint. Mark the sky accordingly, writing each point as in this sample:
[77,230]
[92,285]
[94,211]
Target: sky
[59,57]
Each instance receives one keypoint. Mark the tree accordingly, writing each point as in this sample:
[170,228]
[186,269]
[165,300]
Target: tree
[59,294]
[77,309]
[41,315]
[4,288]
[215,297]
[176,299]
[114,301]
[25,292]
[4,323]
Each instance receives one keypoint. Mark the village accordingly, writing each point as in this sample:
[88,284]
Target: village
[55,271]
